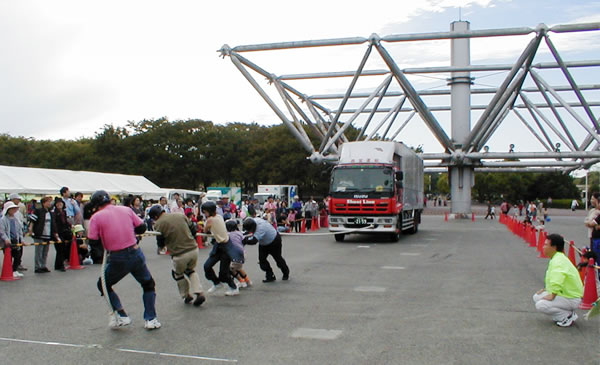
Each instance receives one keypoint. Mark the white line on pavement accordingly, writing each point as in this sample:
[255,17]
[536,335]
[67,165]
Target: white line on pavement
[95,346]
[316,334]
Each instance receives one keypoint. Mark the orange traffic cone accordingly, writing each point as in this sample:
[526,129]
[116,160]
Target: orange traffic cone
[74,263]
[582,258]
[313,224]
[303,226]
[532,240]
[541,246]
[446,217]
[325,221]
[590,293]
[7,272]
[572,253]
[200,242]
[200,239]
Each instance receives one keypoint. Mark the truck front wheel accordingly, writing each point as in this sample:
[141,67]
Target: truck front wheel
[339,237]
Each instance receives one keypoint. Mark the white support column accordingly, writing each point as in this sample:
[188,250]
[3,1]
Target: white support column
[461,178]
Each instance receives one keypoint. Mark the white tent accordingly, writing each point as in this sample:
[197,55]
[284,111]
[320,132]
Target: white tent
[27,180]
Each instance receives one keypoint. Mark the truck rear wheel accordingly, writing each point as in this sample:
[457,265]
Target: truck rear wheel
[416,221]
[339,237]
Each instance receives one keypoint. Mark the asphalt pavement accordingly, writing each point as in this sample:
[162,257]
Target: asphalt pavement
[457,292]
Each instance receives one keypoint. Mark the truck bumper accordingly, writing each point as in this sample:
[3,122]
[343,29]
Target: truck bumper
[378,223]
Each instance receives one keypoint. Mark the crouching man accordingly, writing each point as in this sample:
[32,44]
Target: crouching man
[176,235]
[564,290]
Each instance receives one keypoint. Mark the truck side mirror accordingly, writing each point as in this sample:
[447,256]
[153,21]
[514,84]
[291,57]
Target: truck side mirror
[399,175]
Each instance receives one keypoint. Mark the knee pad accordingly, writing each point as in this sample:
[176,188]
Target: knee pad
[175,277]
[189,272]
[148,285]
[99,284]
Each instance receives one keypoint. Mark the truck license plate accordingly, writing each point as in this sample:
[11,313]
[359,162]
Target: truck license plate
[360,220]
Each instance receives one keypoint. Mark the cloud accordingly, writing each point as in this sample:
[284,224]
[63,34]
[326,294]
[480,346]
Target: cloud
[73,66]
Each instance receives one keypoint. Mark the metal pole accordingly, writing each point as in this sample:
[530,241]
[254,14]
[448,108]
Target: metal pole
[536,120]
[410,116]
[572,82]
[460,177]
[586,189]
[306,144]
[354,116]
[343,103]
[536,135]
[554,110]
[379,99]
[414,98]
[394,111]
[484,119]
[566,105]
[548,123]
[447,92]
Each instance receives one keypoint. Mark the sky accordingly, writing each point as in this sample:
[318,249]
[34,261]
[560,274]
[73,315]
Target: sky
[69,67]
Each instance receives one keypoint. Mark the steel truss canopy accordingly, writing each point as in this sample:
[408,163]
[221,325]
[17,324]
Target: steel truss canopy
[531,94]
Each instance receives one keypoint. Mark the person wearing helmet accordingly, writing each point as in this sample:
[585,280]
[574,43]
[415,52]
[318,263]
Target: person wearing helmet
[237,254]
[116,227]
[219,253]
[269,243]
[177,237]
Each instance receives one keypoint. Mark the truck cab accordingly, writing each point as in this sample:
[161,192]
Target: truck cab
[377,187]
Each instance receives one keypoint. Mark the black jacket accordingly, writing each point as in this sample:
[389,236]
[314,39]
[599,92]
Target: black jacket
[38,219]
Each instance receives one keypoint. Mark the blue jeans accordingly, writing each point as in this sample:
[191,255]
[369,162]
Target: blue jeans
[130,261]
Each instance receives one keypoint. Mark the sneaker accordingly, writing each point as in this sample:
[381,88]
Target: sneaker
[285,276]
[269,278]
[152,324]
[199,300]
[87,261]
[22,268]
[116,321]
[17,274]
[242,284]
[231,292]
[188,299]
[248,281]
[567,322]
[215,288]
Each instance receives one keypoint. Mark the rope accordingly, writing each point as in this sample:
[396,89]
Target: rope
[103,282]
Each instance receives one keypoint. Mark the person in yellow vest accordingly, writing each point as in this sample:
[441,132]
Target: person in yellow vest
[563,287]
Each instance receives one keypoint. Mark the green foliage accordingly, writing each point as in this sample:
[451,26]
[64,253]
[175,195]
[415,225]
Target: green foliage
[192,154]
[442,185]
[523,186]
[566,203]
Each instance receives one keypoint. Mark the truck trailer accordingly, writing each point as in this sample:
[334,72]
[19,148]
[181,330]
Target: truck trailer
[376,186]
[283,192]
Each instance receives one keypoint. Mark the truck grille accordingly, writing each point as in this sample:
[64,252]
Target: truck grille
[363,208]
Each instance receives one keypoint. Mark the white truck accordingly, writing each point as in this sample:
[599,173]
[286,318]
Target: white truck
[376,184]
[283,192]
[233,193]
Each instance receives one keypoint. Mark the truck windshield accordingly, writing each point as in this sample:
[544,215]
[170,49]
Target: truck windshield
[362,179]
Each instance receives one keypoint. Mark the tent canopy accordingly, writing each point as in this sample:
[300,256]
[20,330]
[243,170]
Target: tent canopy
[28,180]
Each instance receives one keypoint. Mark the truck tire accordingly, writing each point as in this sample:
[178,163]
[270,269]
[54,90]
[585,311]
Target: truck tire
[395,237]
[339,237]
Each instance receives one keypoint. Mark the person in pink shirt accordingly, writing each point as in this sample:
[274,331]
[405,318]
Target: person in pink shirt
[116,228]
